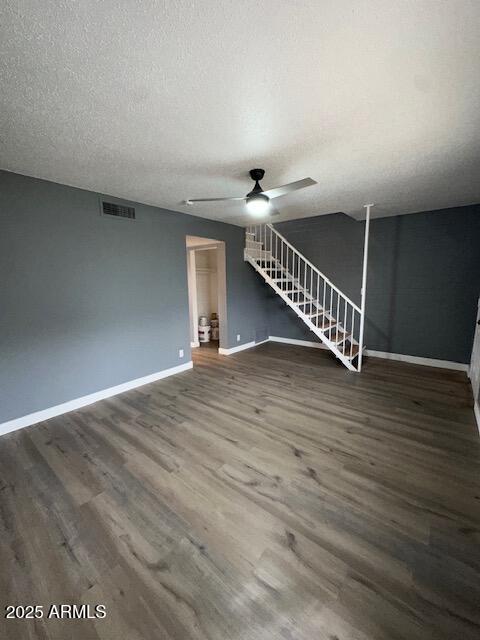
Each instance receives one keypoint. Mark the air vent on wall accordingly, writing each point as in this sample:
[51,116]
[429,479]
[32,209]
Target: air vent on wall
[118,210]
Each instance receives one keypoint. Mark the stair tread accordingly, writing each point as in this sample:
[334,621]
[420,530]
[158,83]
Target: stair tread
[325,325]
[336,335]
[314,315]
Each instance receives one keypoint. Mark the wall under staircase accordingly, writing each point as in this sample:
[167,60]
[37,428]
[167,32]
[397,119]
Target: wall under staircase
[423,278]
[331,315]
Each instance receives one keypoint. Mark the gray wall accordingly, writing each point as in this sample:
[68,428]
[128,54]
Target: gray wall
[423,278]
[89,302]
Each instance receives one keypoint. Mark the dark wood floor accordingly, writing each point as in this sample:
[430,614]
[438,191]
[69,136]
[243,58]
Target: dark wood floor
[267,495]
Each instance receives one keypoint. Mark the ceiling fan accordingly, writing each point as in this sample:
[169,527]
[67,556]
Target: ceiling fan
[258,200]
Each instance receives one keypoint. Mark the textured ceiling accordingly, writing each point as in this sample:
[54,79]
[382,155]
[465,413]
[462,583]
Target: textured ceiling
[377,100]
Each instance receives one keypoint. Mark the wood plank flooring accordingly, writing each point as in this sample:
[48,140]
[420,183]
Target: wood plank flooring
[266,495]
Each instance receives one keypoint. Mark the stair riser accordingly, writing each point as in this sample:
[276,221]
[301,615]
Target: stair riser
[252,245]
[260,254]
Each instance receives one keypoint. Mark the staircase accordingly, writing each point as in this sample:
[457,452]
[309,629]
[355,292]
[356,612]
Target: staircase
[326,311]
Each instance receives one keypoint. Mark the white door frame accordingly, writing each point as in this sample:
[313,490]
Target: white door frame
[474,371]
[219,245]
[192,298]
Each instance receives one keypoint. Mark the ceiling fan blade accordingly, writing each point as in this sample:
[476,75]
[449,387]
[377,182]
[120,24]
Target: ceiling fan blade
[193,200]
[287,188]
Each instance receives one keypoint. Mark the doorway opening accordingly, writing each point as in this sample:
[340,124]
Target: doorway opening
[207,293]
[474,371]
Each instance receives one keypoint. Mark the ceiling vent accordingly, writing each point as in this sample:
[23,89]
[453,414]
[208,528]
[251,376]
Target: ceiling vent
[118,210]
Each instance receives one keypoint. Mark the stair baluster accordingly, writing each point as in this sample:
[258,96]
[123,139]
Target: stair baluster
[329,313]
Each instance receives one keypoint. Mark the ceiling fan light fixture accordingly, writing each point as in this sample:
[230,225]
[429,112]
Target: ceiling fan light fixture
[258,201]
[258,204]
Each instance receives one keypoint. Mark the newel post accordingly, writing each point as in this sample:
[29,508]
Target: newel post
[364,285]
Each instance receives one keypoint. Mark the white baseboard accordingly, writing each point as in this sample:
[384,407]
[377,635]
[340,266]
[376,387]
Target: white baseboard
[300,343]
[71,405]
[194,344]
[241,347]
[428,362]
[476,411]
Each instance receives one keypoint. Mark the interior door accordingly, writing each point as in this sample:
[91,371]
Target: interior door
[475,361]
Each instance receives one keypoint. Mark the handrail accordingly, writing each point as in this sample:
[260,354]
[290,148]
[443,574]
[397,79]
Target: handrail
[312,266]
[324,308]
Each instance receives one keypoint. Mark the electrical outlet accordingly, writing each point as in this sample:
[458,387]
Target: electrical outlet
[238,337]
[180,353]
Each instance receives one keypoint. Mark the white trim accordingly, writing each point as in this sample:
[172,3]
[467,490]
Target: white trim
[204,247]
[363,290]
[194,345]
[71,405]
[241,347]
[300,343]
[474,369]
[192,295]
[427,362]
[476,411]
[262,341]
[221,270]
[222,293]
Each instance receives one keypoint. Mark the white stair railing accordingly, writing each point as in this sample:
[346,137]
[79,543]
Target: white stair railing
[328,312]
